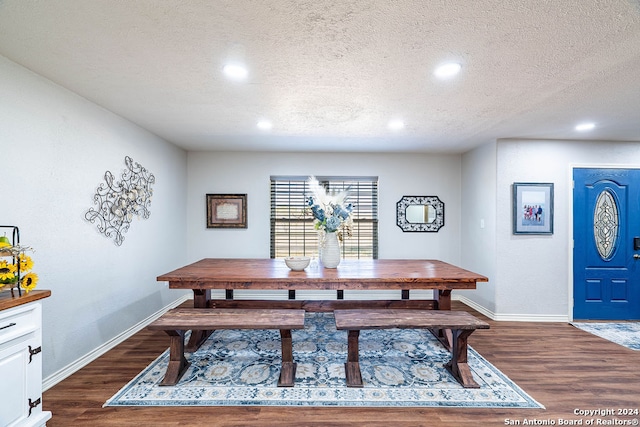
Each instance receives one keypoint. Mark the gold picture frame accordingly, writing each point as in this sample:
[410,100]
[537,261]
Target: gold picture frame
[226,211]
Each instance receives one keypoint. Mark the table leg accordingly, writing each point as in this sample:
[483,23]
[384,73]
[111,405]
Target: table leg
[288,369]
[443,302]
[458,366]
[177,362]
[443,298]
[201,299]
[352,367]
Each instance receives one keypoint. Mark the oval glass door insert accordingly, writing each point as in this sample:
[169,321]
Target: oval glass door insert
[606,224]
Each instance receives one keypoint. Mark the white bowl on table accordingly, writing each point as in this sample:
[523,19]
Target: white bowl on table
[297,263]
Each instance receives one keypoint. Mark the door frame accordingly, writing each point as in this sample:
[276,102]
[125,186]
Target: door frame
[573,166]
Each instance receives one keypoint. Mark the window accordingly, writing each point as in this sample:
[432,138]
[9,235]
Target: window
[292,228]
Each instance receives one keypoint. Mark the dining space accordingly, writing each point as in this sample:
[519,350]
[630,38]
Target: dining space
[452,328]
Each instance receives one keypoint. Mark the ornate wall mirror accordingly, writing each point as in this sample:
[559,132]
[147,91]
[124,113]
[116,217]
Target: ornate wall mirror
[420,213]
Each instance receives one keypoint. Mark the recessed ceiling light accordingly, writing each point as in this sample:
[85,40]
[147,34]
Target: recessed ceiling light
[447,70]
[235,71]
[264,125]
[396,124]
[584,127]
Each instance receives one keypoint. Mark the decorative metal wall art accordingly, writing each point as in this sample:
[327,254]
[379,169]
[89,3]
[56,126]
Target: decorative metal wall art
[118,201]
[420,213]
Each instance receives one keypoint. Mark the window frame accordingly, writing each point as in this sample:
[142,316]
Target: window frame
[288,210]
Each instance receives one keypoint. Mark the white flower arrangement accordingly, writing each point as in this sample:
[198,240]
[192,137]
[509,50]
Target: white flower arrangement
[329,211]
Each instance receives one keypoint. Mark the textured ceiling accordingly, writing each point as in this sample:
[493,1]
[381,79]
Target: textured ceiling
[330,75]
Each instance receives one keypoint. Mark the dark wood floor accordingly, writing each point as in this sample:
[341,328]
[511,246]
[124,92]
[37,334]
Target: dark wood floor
[560,366]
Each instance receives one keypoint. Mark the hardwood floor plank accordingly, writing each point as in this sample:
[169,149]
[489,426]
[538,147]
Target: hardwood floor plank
[560,366]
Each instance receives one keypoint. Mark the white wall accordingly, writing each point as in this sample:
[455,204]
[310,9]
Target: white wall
[410,174]
[478,243]
[534,271]
[54,150]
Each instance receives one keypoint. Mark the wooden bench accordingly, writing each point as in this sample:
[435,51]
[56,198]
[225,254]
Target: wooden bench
[460,323]
[177,321]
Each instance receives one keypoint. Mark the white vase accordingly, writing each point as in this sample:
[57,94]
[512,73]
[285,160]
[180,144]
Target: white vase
[330,251]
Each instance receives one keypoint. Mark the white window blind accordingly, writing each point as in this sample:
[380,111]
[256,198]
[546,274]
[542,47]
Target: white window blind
[292,227]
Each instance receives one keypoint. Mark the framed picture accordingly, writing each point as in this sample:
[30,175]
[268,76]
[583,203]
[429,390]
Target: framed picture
[226,211]
[532,208]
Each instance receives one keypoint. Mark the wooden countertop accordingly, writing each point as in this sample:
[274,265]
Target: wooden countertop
[7,301]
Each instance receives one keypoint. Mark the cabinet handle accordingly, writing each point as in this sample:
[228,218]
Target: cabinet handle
[8,326]
[33,404]
[33,352]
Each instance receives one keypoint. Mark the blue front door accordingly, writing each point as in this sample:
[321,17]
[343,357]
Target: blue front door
[606,263]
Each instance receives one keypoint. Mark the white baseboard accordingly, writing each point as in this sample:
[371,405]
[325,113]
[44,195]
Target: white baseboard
[73,367]
[511,317]
[477,307]
[532,318]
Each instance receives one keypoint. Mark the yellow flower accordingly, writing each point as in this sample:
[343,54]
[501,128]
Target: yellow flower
[29,282]
[7,272]
[6,276]
[12,268]
[26,263]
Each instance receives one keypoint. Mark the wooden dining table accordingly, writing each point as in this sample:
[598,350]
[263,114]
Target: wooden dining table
[403,275]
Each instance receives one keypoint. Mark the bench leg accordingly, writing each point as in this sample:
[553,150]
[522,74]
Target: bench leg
[177,362]
[197,339]
[458,366]
[352,367]
[288,368]
[444,336]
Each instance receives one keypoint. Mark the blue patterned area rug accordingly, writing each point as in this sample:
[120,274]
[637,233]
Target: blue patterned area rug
[623,333]
[400,368]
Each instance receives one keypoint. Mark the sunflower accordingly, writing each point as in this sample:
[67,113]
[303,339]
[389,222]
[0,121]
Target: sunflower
[12,268]
[6,276]
[26,263]
[7,272]
[29,282]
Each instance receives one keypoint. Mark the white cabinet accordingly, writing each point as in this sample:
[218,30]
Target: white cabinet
[21,366]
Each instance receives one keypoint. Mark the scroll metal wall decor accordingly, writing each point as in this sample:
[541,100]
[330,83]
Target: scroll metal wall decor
[118,201]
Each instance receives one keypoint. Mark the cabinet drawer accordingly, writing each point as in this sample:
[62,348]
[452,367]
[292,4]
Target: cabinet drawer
[19,321]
